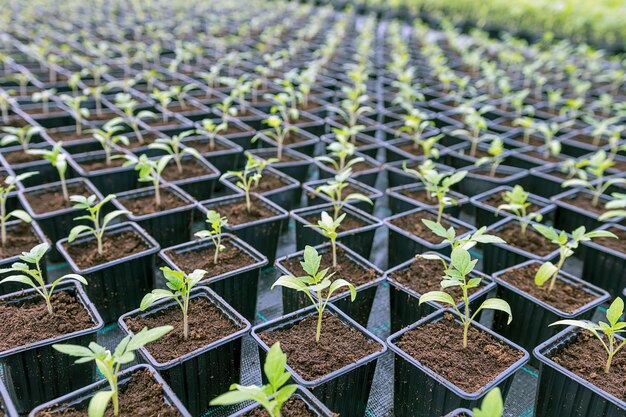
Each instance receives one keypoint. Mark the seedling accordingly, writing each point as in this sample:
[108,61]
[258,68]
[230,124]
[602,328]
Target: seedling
[612,345]
[180,285]
[44,96]
[179,92]
[57,158]
[128,106]
[616,207]
[250,176]
[549,131]
[468,242]
[108,136]
[456,275]
[150,170]
[516,202]
[20,135]
[279,134]
[475,121]
[315,283]
[492,405]
[548,271]
[96,93]
[334,190]
[437,184]
[80,113]
[272,396]
[342,150]
[93,216]
[495,158]
[5,104]
[528,125]
[226,109]
[172,146]
[211,130]
[329,227]
[109,364]
[10,185]
[415,123]
[22,273]
[216,222]
[164,98]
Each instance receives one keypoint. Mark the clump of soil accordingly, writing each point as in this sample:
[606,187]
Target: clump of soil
[232,258]
[115,246]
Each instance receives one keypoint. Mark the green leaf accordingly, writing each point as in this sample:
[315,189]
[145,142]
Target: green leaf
[312,261]
[99,403]
[340,283]
[498,304]
[151,298]
[22,215]
[146,336]
[437,296]
[599,233]
[237,396]
[274,366]
[615,311]
[545,273]
[461,260]
[292,282]
[492,405]
[436,228]
[77,230]
[22,279]
[75,350]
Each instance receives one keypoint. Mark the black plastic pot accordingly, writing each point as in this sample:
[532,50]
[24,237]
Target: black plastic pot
[359,310]
[314,197]
[80,398]
[404,301]
[306,145]
[167,227]
[261,234]
[117,286]
[37,373]
[298,167]
[478,180]
[359,240]
[9,287]
[315,406]
[499,256]
[224,159]
[569,216]
[6,405]
[486,215]
[200,187]
[344,391]
[57,224]
[46,172]
[543,183]
[237,287]
[604,266]
[531,316]
[399,203]
[404,245]
[199,376]
[562,393]
[109,180]
[418,391]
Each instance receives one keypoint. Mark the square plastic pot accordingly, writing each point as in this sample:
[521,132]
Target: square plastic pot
[238,287]
[80,398]
[604,266]
[37,373]
[108,180]
[298,167]
[117,286]
[46,172]
[418,391]
[224,159]
[399,203]
[314,198]
[344,391]
[201,375]
[475,182]
[543,183]
[315,406]
[200,187]
[569,216]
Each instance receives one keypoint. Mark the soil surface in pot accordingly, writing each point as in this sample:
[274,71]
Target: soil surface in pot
[141,396]
[618,244]
[586,357]
[148,138]
[146,204]
[531,242]
[294,407]
[346,268]
[20,238]
[269,182]
[20,157]
[339,346]
[413,224]
[564,296]
[495,200]
[100,164]
[486,173]
[231,259]
[439,346]
[584,202]
[423,196]
[409,147]
[51,199]
[115,246]
[59,134]
[207,324]
[204,146]
[23,323]
[293,138]
[238,213]
[191,169]
[349,222]
[542,156]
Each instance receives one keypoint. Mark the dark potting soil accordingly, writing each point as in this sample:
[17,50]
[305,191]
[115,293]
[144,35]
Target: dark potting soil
[584,202]
[532,140]
[495,200]
[339,346]
[51,199]
[294,407]
[23,323]
[148,138]
[531,241]
[411,148]
[115,246]
[231,259]
[59,135]
[487,173]
[207,324]
[423,196]
[588,139]
[146,204]
[346,268]
[238,213]
[141,396]
[100,164]
[293,138]
[2,410]
[586,357]
[358,167]
[618,244]
[161,122]
[542,156]
[20,157]
[412,223]
[20,238]
[349,222]
[191,169]
[177,108]
[269,182]
[204,146]
[564,296]
[439,346]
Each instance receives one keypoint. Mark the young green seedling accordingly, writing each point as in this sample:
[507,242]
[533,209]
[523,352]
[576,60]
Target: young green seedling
[150,170]
[108,136]
[57,158]
[109,364]
[492,405]
[128,105]
[180,286]
[172,146]
[10,185]
[22,273]
[93,216]
[616,207]
[216,222]
[44,96]
[250,176]
[516,202]
[495,158]
[315,283]
[96,93]
[449,236]
[179,92]
[164,98]
[5,104]
[456,275]
[210,129]
[80,113]
[279,134]
[415,124]
[272,396]
[475,121]
[20,135]
[528,124]
[334,190]
[342,150]
[610,330]
[548,271]
[329,228]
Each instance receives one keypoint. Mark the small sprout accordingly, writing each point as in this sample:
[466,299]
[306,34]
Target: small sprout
[548,271]
[475,121]
[108,137]
[549,131]
[150,170]
[109,364]
[44,96]
[179,92]
[334,190]
[315,282]
[128,105]
[610,330]
[516,202]
[96,93]
[211,130]
[5,104]
[342,150]
[492,405]
[329,227]
[468,242]
[415,123]
[172,146]
[456,275]
[180,285]
[495,158]
[56,156]
[80,113]
[279,134]
[164,98]
[23,274]
[528,124]
[216,222]
[226,109]
[272,396]
[10,185]
[93,216]
[20,135]
[250,176]
[616,207]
